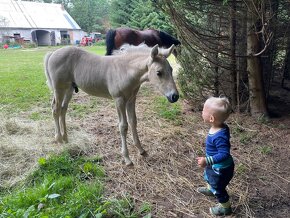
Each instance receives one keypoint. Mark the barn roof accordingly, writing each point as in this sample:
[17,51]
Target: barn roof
[24,14]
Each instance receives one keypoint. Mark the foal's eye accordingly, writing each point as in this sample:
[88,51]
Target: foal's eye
[159,73]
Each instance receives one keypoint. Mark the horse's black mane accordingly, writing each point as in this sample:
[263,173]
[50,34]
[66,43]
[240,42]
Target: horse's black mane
[168,39]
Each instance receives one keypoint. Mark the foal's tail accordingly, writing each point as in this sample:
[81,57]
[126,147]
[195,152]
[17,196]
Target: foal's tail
[110,41]
[46,58]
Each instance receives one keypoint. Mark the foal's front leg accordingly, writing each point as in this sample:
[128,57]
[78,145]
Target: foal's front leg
[131,112]
[123,126]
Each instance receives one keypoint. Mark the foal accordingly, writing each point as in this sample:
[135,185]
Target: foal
[118,77]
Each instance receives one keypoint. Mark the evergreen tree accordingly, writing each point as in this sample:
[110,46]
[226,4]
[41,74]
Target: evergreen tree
[138,14]
[91,15]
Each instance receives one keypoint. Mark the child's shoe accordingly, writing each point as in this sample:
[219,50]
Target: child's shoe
[219,210]
[205,191]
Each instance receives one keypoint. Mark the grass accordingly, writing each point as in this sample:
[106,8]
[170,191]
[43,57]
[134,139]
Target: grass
[22,79]
[66,185]
[168,111]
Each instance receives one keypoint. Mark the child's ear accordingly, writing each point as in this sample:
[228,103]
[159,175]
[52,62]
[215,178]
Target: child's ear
[211,118]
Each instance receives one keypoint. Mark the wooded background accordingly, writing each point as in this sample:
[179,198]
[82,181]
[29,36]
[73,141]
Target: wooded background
[238,48]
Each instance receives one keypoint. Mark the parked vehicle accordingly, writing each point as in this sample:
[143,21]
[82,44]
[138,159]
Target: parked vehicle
[96,36]
[86,41]
[91,38]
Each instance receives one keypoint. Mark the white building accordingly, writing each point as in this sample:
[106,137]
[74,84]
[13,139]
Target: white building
[40,23]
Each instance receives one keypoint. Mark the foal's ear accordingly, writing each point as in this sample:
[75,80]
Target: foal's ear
[168,52]
[154,51]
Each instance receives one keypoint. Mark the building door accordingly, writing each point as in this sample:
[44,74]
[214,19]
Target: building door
[52,38]
[33,37]
[65,38]
[41,37]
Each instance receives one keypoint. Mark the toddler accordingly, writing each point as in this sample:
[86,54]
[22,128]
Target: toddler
[218,163]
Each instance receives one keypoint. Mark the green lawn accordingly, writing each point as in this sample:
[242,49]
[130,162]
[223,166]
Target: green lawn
[22,79]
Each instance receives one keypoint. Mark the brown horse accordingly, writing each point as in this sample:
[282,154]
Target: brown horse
[151,37]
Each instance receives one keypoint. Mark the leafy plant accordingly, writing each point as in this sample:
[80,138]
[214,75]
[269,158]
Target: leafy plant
[265,150]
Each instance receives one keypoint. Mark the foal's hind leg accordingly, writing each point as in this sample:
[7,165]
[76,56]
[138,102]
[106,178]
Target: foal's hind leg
[56,110]
[64,106]
[133,124]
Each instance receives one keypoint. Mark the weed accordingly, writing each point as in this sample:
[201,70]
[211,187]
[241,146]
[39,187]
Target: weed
[263,119]
[167,110]
[237,130]
[35,116]
[145,208]
[241,168]
[246,137]
[281,126]
[265,149]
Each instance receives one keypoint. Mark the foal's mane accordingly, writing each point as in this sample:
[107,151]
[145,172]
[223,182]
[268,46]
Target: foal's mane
[126,49]
[142,49]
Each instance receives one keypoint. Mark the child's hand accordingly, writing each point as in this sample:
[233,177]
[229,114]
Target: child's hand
[201,162]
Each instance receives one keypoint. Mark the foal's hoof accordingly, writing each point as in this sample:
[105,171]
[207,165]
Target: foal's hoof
[144,153]
[64,139]
[58,139]
[128,163]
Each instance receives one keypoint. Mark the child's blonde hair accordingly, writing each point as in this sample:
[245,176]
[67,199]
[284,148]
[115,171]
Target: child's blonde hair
[220,106]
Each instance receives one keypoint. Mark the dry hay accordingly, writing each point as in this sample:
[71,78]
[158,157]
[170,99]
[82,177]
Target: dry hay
[23,142]
[168,177]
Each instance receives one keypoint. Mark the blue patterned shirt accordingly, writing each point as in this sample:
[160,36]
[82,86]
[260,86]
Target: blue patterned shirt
[218,148]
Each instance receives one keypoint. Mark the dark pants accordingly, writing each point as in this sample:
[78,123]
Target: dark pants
[218,179]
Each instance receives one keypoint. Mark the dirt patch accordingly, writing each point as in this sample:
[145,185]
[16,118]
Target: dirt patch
[168,177]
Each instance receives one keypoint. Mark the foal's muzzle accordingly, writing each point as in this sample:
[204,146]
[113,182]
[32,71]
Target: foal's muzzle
[173,97]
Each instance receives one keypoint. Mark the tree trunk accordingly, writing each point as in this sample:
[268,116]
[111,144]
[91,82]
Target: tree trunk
[233,38]
[270,53]
[242,76]
[286,72]
[254,68]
